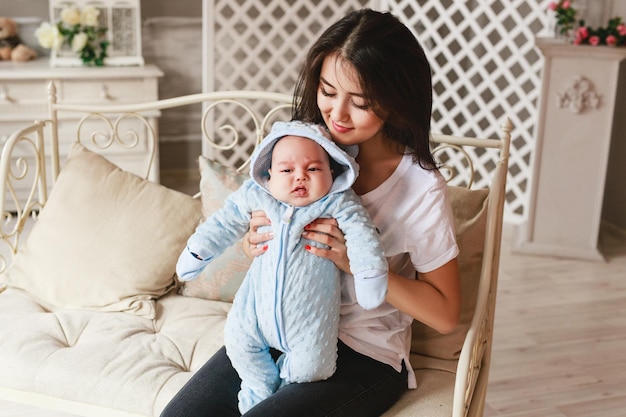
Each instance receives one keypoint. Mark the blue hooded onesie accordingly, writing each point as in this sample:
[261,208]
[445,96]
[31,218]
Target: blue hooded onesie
[289,299]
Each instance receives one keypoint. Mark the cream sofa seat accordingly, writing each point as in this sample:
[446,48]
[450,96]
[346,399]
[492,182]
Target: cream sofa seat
[123,361]
[111,359]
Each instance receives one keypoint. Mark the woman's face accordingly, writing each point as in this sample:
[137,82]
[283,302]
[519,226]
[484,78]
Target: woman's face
[347,114]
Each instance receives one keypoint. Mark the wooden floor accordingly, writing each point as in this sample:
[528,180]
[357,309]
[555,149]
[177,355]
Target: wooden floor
[560,336]
[559,341]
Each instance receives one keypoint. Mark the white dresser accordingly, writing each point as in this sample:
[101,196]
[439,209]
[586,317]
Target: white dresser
[24,90]
[23,99]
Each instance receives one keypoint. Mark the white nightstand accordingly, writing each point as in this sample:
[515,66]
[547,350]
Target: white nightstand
[23,99]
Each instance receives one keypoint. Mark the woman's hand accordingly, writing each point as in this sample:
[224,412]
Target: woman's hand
[327,232]
[256,241]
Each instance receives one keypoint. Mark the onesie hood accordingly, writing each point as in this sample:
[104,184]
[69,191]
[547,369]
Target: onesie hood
[261,158]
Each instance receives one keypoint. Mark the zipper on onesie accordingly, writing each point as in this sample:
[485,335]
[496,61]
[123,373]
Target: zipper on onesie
[281,268]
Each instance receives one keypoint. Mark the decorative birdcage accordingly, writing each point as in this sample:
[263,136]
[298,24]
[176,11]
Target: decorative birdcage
[122,20]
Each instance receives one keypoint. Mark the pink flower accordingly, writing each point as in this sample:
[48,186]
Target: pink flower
[622,29]
[611,40]
[577,41]
[582,33]
[566,4]
[594,40]
[552,6]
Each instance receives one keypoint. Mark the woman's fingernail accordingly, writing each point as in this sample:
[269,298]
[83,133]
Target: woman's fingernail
[265,247]
[308,226]
[307,247]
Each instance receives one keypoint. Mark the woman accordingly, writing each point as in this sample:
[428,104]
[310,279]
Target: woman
[368,80]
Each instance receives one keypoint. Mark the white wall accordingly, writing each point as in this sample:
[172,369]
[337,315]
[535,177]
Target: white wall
[615,8]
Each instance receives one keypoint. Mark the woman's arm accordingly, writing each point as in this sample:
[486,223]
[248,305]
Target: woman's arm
[434,299]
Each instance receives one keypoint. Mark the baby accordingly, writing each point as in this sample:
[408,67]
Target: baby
[289,299]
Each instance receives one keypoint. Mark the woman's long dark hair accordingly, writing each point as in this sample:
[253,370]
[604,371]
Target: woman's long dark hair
[393,72]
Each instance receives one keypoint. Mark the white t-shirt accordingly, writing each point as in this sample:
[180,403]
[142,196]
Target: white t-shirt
[414,218]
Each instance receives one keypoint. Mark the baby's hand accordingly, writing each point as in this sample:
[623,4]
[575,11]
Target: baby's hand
[257,242]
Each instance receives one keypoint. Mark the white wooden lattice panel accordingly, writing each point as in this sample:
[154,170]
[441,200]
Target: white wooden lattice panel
[484,62]
[485,67]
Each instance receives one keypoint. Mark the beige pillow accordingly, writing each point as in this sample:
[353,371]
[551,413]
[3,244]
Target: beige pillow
[221,279]
[470,213]
[106,239]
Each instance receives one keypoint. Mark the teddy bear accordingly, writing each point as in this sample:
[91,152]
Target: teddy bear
[11,46]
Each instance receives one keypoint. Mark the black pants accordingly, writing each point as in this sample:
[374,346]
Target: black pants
[360,387]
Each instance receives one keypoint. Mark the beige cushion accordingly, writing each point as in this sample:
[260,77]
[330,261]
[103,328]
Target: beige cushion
[106,239]
[430,348]
[432,398]
[221,279]
[112,359]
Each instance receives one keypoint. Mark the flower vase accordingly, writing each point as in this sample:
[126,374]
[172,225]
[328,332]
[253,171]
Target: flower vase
[564,34]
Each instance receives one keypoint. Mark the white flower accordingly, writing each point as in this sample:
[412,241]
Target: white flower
[70,16]
[79,28]
[79,41]
[89,16]
[49,36]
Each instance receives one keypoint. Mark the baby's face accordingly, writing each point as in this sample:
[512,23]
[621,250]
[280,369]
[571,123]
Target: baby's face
[300,172]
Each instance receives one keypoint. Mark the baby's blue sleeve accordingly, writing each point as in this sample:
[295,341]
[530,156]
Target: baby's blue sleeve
[219,231]
[368,263]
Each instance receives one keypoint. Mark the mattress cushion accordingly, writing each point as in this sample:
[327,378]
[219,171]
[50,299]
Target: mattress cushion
[112,359]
